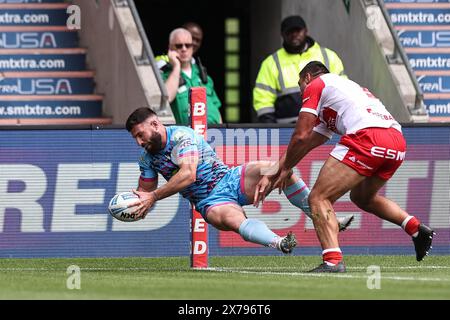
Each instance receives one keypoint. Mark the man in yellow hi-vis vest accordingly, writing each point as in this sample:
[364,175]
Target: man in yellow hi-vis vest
[276,96]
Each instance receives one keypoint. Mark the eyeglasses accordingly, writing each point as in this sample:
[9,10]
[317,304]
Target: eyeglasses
[180,45]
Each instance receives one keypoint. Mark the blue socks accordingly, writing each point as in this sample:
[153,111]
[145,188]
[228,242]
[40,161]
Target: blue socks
[257,232]
[297,194]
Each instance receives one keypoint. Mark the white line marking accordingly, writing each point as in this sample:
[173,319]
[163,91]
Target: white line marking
[348,268]
[95,269]
[249,271]
[334,275]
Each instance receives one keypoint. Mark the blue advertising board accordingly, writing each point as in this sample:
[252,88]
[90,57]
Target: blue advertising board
[43,108]
[429,61]
[434,83]
[424,38]
[46,86]
[38,40]
[417,1]
[33,17]
[437,107]
[42,62]
[420,16]
[56,185]
[29,1]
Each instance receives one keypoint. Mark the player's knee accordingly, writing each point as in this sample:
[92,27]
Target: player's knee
[360,201]
[223,221]
[314,198]
[231,225]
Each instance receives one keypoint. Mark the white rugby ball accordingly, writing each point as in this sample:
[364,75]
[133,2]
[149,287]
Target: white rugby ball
[118,206]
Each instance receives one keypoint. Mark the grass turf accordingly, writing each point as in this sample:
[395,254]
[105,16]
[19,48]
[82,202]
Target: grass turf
[230,278]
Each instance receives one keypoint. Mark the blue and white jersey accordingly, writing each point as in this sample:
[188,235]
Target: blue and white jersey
[184,142]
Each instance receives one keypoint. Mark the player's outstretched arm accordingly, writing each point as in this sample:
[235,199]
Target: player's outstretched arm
[300,148]
[265,184]
[186,175]
[302,141]
[147,185]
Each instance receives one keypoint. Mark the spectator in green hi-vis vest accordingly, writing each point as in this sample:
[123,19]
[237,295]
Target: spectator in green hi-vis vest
[180,73]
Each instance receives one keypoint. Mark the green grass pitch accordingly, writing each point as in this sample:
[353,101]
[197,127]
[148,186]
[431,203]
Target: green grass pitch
[228,278]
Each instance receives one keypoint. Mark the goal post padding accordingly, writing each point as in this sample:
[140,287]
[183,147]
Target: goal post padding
[199,228]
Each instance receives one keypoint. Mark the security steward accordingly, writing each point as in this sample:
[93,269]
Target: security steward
[276,95]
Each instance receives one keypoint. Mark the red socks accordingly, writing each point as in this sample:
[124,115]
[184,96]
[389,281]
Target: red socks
[332,256]
[411,225]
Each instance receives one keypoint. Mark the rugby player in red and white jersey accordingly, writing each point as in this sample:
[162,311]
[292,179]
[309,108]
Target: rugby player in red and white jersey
[369,152]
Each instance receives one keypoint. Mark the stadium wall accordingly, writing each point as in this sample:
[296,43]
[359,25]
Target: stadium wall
[55,186]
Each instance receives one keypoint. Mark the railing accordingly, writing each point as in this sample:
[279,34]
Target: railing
[146,57]
[399,56]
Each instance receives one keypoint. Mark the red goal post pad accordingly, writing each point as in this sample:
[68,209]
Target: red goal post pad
[199,228]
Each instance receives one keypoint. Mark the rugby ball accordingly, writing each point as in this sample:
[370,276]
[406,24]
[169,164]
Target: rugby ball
[118,206]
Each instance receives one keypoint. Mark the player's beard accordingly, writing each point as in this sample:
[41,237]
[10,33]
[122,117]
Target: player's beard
[293,49]
[155,143]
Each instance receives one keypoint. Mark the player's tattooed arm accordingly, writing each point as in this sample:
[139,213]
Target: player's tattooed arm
[186,175]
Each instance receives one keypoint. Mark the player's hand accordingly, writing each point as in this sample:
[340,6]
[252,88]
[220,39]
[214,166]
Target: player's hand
[262,189]
[145,203]
[282,180]
[174,59]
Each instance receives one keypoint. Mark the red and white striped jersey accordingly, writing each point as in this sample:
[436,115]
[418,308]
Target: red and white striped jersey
[344,107]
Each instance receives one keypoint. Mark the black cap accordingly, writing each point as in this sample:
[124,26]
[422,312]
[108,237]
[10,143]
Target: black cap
[292,22]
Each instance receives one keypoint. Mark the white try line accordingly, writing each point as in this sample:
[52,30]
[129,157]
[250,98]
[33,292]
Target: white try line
[348,268]
[403,268]
[331,275]
[94,269]
[276,270]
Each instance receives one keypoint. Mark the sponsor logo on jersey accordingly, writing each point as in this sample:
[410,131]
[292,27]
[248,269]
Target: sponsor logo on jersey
[330,116]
